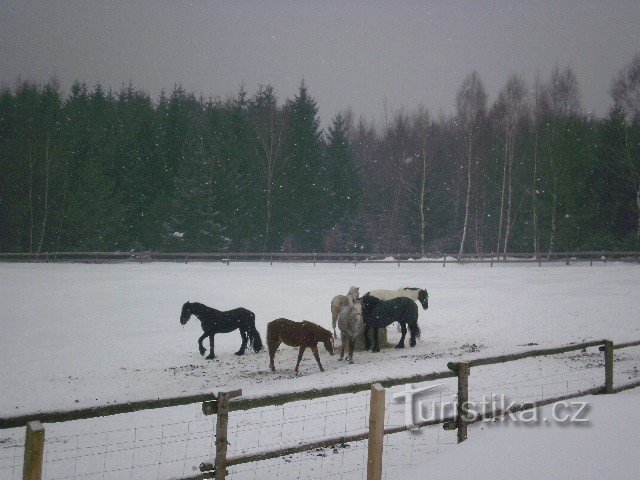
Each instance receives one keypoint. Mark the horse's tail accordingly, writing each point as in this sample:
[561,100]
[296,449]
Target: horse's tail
[254,338]
[414,329]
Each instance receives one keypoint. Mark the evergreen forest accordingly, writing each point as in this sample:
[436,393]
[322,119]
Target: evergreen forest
[101,170]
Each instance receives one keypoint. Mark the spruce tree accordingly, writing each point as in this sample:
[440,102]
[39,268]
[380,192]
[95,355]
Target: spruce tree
[305,185]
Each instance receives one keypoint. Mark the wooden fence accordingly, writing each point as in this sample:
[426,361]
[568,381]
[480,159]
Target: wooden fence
[223,403]
[355,258]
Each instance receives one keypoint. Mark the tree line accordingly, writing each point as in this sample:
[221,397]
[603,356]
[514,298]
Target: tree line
[99,170]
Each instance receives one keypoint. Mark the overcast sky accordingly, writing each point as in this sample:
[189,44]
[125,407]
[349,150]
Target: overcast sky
[349,53]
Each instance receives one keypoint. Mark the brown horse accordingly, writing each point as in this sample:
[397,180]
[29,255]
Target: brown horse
[297,334]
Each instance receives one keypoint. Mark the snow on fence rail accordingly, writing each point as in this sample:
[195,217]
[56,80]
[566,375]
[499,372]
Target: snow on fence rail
[355,258]
[222,404]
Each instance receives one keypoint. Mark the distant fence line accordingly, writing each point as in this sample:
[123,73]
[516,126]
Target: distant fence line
[225,402]
[355,258]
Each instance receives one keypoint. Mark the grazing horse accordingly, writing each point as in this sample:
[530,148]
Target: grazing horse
[297,334]
[214,321]
[341,301]
[382,313]
[351,325]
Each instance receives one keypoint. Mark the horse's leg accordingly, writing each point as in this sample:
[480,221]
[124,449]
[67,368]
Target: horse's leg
[403,329]
[367,342]
[376,346]
[245,338]
[412,339]
[273,346]
[200,346]
[211,355]
[344,341]
[300,352]
[314,349]
[352,346]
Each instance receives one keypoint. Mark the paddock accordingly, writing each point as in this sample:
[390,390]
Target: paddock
[89,335]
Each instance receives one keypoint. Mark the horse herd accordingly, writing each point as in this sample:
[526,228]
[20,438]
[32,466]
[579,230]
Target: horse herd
[351,314]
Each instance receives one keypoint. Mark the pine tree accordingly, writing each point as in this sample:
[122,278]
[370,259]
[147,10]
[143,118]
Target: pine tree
[343,182]
[305,184]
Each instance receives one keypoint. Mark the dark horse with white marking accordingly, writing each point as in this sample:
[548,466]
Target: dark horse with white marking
[382,313]
[214,321]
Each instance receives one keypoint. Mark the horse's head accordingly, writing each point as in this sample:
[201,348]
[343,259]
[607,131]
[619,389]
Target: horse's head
[368,302]
[327,340]
[354,293]
[423,298]
[357,309]
[185,314]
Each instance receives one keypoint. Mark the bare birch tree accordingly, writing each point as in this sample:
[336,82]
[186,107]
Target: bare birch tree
[561,100]
[511,110]
[267,123]
[471,106]
[625,91]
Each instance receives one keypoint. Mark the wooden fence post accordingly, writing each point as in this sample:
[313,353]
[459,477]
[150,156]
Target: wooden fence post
[608,366]
[376,432]
[462,369]
[220,407]
[33,451]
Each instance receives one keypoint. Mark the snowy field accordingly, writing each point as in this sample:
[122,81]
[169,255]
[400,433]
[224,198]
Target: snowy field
[77,335]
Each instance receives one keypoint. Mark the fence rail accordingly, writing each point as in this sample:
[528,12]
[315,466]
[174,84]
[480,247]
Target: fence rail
[236,257]
[225,402]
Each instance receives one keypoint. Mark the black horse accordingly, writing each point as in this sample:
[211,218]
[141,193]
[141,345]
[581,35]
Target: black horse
[214,321]
[382,313]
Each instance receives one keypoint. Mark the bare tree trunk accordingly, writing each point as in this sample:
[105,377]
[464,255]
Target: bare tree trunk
[554,202]
[476,207]
[63,209]
[468,201]
[536,245]
[502,194]
[422,194]
[31,226]
[46,194]
[638,205]
[508,222]
[269,200]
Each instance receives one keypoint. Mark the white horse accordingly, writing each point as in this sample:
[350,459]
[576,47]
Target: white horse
[341,301]
[419,294]
[351,324]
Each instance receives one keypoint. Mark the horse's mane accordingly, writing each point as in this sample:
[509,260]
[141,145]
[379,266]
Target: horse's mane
[197,307]
[369,302]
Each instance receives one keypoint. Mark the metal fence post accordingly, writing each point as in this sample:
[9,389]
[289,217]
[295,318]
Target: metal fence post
[376,432]
[33,451]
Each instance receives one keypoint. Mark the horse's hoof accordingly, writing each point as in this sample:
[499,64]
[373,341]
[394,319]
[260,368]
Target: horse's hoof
[399,346]
[350,362]
[202,352]
[210,357]
[239,353]
[375,349]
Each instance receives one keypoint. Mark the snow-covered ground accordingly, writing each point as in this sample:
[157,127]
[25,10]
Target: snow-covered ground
[76,335]
[605,447]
